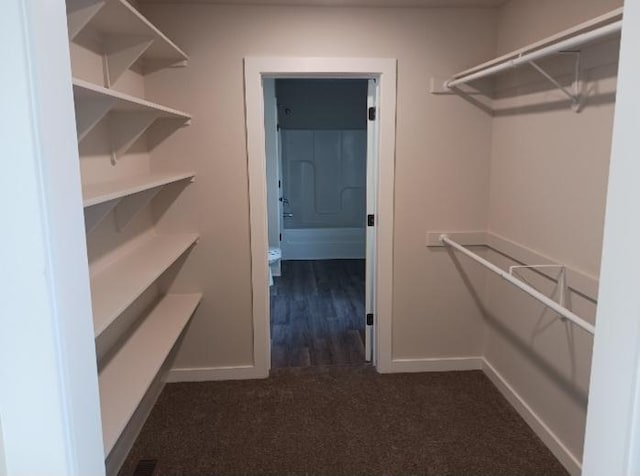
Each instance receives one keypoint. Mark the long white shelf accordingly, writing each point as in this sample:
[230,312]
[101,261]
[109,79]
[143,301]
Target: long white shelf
[85,91]
[104,192]
[127,376]
[129,117]
[117,286]
[585,32]
[126,35]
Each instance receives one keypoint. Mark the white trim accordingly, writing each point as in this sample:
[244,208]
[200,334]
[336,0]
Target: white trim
[612,440]
[436,364]
[385,71]
[548,437]
[206,374]
[48,375]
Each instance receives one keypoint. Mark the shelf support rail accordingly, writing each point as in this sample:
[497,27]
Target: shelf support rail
[550,303]
[530,58]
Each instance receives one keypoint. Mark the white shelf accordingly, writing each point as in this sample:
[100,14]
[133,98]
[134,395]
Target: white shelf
[121,102]
[127,376]
[117,286]
[126,36]
[128,117]
[104,192]
[585,27]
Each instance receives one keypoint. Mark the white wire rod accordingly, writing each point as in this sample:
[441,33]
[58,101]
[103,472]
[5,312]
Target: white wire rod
[551,304]
[541,53]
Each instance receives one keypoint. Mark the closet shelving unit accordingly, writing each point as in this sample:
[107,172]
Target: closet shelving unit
[125,37]
[566,41]
[117,286]
[137,352]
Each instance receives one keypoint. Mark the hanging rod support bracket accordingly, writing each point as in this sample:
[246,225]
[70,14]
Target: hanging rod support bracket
[574,96]
[562,288]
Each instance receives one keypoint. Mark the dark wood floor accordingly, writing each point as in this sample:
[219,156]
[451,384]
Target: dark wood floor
[318,314]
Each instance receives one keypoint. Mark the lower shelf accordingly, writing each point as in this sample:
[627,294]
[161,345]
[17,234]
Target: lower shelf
[125,379]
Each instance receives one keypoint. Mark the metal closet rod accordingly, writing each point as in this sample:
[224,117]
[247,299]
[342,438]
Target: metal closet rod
[541,53]
[550,303]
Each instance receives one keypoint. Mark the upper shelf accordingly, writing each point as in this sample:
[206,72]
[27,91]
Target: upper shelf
[124,36]
[566,41]
[104,192]
[581,34]
[130,116]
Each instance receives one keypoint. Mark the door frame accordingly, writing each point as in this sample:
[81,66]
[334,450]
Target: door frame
[384,70]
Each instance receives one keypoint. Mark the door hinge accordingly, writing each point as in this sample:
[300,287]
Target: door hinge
[372,113]
[280,236]
[371,220]
[369,319]
[277,127]
[279,184]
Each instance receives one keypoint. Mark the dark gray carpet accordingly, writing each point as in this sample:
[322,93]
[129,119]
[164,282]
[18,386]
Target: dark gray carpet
[340,421]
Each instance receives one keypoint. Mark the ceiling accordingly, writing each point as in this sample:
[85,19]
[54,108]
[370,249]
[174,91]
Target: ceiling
[360,3]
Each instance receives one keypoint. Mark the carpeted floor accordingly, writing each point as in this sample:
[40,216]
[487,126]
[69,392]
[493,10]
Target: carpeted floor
[340,421]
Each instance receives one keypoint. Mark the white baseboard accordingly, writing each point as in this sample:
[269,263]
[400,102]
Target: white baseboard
[548,437]
[204,374]
[444,364]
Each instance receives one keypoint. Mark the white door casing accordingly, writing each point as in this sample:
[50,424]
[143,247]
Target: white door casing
[48,375]
[372,168]
[384,71]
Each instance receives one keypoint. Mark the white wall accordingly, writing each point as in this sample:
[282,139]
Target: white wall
[441,181]
[613,427]
[48,378]
[549,171]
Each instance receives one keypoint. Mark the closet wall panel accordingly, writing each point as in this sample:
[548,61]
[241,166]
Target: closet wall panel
[549,171]
[441,180]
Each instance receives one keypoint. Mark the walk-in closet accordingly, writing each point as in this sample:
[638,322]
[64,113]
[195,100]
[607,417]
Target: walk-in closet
[359,237]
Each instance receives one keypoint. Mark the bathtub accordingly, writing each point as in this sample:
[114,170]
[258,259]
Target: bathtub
[323,243]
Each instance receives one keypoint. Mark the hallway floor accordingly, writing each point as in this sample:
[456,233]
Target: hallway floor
[340,420]
[317,313]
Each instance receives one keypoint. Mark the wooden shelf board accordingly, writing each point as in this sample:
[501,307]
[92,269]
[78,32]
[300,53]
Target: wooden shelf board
[127,376]
[584,27]
[117,286]
[86,91]
[118,18]
[104,192]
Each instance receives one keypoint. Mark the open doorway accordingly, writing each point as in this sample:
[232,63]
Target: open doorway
[317,155]
[381,173]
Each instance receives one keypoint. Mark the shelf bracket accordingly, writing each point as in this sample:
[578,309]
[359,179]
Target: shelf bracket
[94,214]
[80,13]
[162,128]
[125,128]
[132,205]
[561,283]
[90,113]
[574,96]
[121,53]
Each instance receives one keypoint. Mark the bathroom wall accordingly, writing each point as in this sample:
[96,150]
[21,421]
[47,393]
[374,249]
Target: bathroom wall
[317,104]
[324,167]
[441,180]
